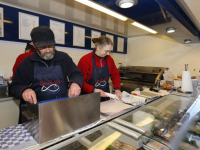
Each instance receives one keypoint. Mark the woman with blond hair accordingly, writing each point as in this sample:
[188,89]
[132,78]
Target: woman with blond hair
[97,67]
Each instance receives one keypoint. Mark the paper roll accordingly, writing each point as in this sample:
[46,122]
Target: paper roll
[135,100]
[186,82]
[142,99]
[113,96]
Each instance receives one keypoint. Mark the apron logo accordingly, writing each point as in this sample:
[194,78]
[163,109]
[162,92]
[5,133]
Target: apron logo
[50,87]
[101,83]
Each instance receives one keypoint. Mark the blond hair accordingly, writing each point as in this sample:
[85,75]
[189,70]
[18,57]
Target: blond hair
[101,42]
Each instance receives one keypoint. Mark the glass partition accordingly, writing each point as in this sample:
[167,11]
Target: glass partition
[172,120]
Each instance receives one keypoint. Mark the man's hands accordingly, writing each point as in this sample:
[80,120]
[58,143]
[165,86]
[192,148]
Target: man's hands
[101,92]
[29,96]
[119,94]
[74,90]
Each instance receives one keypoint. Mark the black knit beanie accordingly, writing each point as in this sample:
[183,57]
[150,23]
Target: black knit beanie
[42,36]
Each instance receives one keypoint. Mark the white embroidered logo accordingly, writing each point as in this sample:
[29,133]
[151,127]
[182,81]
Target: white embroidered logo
[51,88]
[102,83]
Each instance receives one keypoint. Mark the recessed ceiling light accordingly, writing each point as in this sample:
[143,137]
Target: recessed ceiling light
[186,41]
[126,3]
[143,27]
[102,9]
[170,30]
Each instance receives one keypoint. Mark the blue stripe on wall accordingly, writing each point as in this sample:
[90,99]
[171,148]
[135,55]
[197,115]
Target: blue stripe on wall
[11,30]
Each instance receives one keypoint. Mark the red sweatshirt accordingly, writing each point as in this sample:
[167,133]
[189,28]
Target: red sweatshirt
[19,59]
[86,67]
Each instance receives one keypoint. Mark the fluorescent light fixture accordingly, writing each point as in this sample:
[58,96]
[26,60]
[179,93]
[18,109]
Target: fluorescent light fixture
[170,30]
[126,3]
[187,41]
[144,27]
[102,9]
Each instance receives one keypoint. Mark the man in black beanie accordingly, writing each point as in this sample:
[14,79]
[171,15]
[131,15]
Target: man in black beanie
[44,75]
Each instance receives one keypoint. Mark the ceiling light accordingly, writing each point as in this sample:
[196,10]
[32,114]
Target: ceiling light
[186,41]
[170,30]
[102,9]
[126,3]
[143,27]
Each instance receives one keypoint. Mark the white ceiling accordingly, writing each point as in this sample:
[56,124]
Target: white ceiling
[72,11]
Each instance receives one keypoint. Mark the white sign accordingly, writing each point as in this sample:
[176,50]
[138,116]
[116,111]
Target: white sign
[34,3]
[57,6]
[78,36]
[26,24]
[58,29]
[95,34]
[120,44]
[1,23]
[111,37]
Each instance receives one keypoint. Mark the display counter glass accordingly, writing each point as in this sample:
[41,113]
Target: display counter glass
[169,123]
[109,136]
[172,120]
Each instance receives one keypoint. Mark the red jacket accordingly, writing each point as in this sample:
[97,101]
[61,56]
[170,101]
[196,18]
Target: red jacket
[19,59]
[86,67]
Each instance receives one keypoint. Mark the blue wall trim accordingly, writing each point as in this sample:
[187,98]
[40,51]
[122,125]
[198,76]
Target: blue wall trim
[11,30]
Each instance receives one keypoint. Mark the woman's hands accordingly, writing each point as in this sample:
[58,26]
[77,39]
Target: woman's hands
[119,94]
[102,93]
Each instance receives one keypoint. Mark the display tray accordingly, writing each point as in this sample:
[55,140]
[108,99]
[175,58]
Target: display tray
[109,139]
[168,120]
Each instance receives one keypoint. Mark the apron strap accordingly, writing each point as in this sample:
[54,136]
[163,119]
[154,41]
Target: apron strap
[94,64]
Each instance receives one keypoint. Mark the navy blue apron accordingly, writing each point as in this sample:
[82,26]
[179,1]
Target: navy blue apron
[48,82]
[99,78]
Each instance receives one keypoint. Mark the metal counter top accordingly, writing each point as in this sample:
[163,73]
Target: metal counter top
[7,98]
[68,138]
[61,139]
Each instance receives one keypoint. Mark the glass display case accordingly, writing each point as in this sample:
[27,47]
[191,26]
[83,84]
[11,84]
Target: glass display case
[172,120]
[110,136]
[170,123]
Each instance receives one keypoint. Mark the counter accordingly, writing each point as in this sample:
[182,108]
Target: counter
[167,123]
[9,106]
